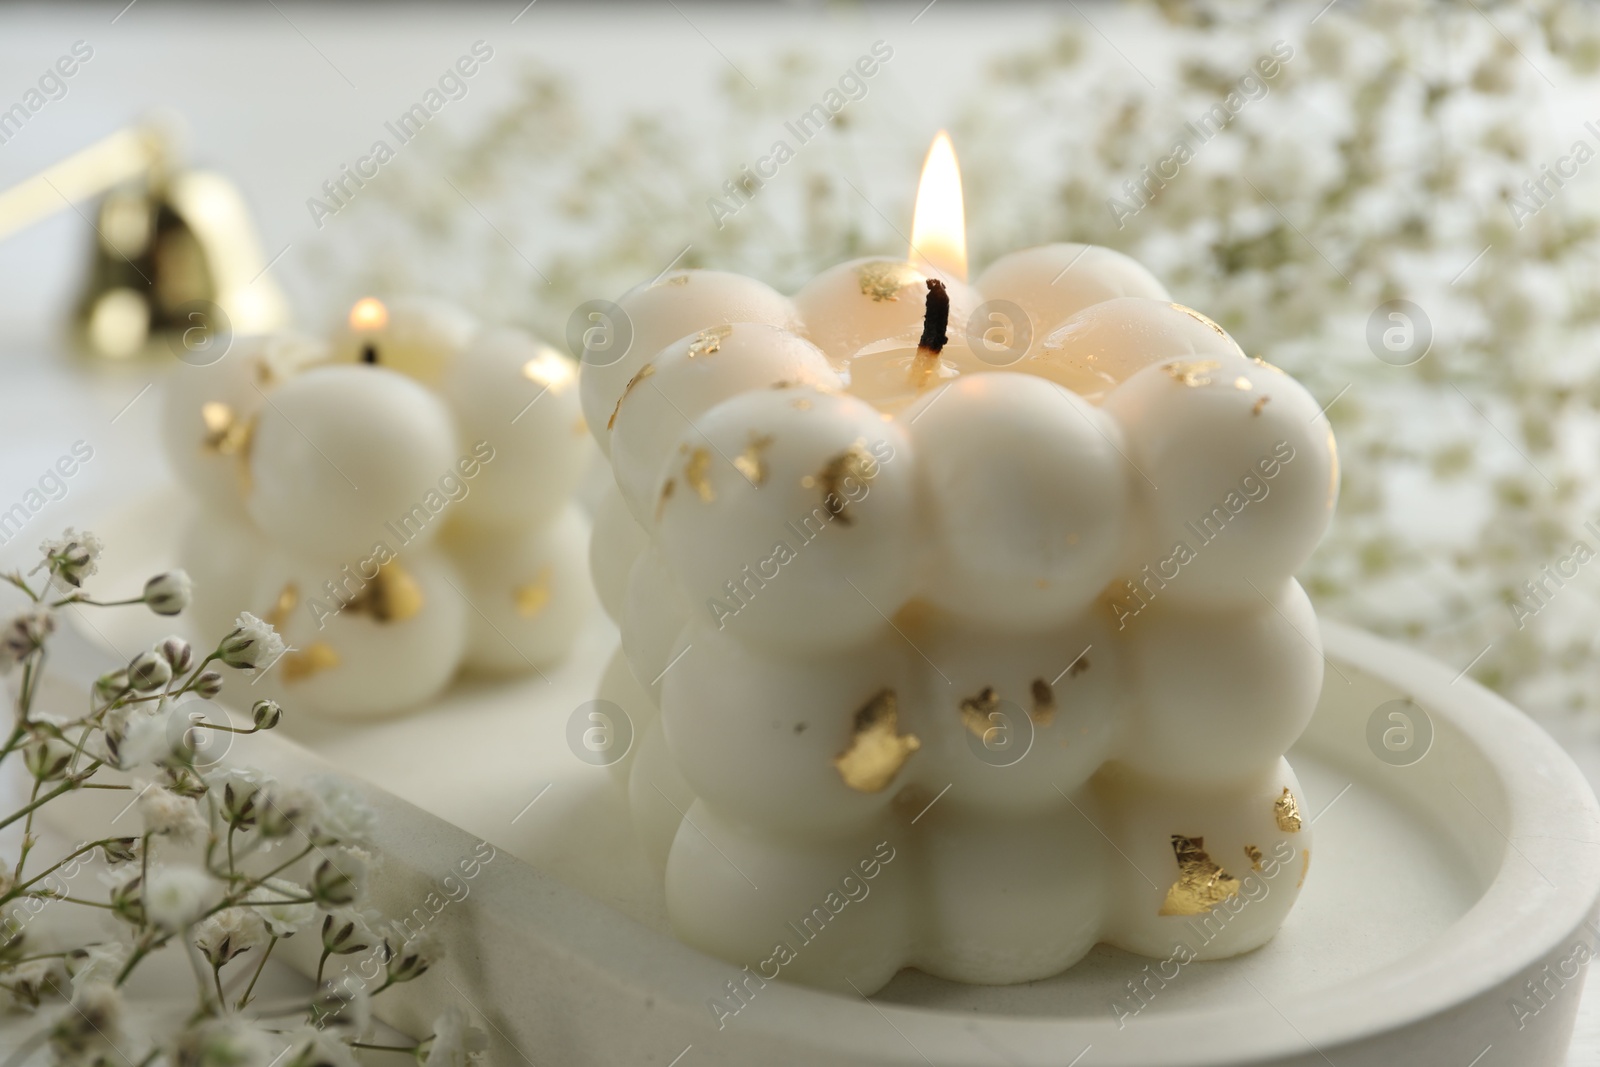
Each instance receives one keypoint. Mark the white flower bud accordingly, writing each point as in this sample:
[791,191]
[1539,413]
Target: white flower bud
[266,714]
[168,594]
[149,671]
[341,879]
[48,758]
[208,685]
[412,959]
[108,687]
[346,931]
[23,635]
[253,643]
[178,653]
[229,933]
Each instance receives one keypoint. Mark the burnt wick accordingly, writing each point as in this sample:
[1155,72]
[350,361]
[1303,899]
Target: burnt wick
[369,353]
[935,320]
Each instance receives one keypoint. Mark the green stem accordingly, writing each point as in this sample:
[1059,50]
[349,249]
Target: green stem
[321,963]
[27,834]
[65,787]
[47,872]
[261,965]
[386,1048]
[216,978]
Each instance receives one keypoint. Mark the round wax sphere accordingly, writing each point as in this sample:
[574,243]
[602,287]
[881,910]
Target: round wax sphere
[1051,282]
[688,378]
[1219,693]
[657,795]
[418,336]
[616,541]
[864,301]
[348,455]
[653,616]
[1109,342]
[788,515]
[368,646]
[660,312]
[526,588]
[1026,497]
[210,411]
[521,398]
[1239,474]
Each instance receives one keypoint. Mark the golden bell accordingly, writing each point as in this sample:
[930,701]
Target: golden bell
[175,256]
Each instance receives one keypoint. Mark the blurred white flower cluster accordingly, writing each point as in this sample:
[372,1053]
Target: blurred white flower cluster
[1407,151]
[226,863]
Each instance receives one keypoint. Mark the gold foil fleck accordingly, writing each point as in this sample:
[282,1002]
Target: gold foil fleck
[531,597]
[877,748]
[666,494]
[1261,402]
[1242,384]
[644,372]
[801,403]
[1193,373]
[550,369]
[391,595]
[882,279]
[1201,884]
[226,433]
[1254,855]
[697,473]
[975,711]
[1258,361]
[709,342]
[288,600]
[1305,866]
[1204,319]
[681,278]
[855,462]
[752,462]
[1044,701]
[1287,811]
[318,657]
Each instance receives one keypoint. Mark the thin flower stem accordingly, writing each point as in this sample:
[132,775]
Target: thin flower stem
[46,894]
[47,872]
[27,834]
[386,1048]
[15,578]
[321,963]
[79,598]
[65,787]
[216,978]
[261,965]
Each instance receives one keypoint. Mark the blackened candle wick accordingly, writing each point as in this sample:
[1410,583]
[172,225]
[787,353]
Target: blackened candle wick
[369,353]
[935,320]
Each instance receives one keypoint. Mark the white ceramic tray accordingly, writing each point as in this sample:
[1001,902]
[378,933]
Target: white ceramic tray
[1438,890]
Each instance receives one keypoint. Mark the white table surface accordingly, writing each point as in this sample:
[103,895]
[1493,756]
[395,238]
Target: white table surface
[266,105]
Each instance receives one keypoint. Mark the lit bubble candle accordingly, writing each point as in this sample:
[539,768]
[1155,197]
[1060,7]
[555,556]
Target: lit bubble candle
[956,652]
[397,502]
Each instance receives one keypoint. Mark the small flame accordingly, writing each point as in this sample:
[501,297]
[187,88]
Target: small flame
[369,314]
[550,369]
[939,226]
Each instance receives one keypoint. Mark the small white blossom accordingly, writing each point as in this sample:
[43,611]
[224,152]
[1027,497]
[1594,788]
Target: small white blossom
[413,958]
[229,933]
[283,920]
[90,1031]
[346,930]
[168,594]
[240,793]
[231,1041]
[455,1042]
[178,896]
[98,964]
[253,643]
[149,670]
[166,814]
[47,757]
[342,817]
[72,557]
[22,635]
[341,878]
[178,652]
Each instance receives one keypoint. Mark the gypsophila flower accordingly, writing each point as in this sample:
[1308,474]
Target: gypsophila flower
[149,670]
[208,685]
[48,757]
[178,896]
[109,686]
[346,930]
[90,1031]
[342,816]
[229,933]
[120,849]
[282,919]
[341,878]
[136,734]
[178,653]
[22,635]
[230,1041]
[29,982]
[127,892]
[412,958]
[266,714]
[168,594]
[71,558]
[252,644]
[316,1049]
[239,792]
[455,1042]
[97,964]
[166,814]
[284,810]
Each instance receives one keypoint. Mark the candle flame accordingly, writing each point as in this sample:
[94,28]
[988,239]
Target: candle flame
[369,314]
[939,227]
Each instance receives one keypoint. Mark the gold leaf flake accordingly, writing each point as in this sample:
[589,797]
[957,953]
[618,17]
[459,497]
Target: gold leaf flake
[288,600]
[666,494]
[855,462]
[644,372]
[391,595]
[1193,373]
[1258,361]
[801,403]
[550,369]
[1254,855]
[580,426]
[1261,402]
[1287,811]
[1044,701]
[1305,867]
[709,342]
[318,657]
[681,278]
[1242,384]
[531,597]
[882,279]
[697,473]
[975,711]
[877,748]
[1201,884]
[226,433]
[751,462]
[1203,319]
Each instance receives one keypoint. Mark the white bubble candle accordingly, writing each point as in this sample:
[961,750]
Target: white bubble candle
[983,588]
